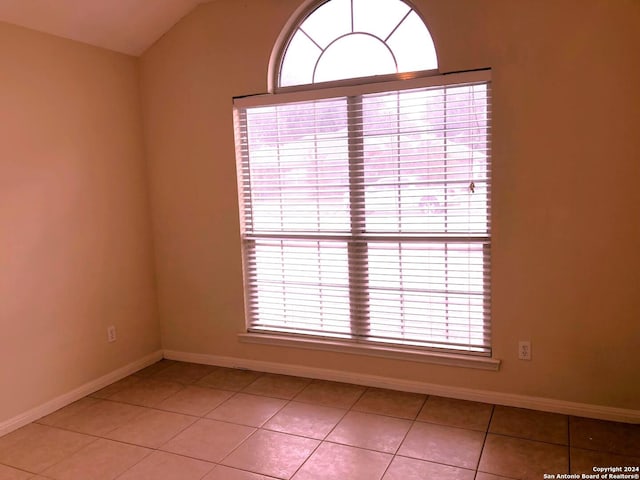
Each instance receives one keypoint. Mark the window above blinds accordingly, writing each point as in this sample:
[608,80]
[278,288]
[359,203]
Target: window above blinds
[365,212]
[345,39]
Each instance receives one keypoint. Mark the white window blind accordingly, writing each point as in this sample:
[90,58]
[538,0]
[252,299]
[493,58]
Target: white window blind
[365,212]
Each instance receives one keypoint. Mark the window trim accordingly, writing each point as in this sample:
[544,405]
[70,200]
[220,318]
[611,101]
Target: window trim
[371,349]
[348,88]
[286,34]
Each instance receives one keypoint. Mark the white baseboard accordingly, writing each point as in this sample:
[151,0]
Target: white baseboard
[77,393]
[513,400]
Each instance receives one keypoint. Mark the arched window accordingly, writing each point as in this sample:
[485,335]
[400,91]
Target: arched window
[364,189]
[342,39]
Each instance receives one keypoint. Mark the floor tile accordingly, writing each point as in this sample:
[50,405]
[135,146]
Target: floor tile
[155,368]
[110,434]
[341,462]
[313,421]
[403,468]
[272,453]
[64,413]
[530,424]
[184,372]
[8,473]
[490,476]
[374,432]
[35,447]
[583,461]
[456,413]
[227,473]
[208,440]
[99,418]
[167,466]
[152,428]
[442,444]
[229,379]
[147,392]
[522,459]
[390,402]
[101,460]
[195,400]
[278,386]
[330,394]
[116,387]
[250,410]
[612,437]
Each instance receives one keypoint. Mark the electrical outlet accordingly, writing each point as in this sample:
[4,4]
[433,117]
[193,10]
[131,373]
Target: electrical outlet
[524,350]
[111,333]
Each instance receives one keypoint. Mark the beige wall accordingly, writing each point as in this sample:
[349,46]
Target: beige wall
[75,245]
[566,217]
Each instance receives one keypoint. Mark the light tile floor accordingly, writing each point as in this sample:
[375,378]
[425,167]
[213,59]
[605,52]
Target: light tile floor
[182,421]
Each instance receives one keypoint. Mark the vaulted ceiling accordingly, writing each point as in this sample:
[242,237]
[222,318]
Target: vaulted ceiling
[127,26]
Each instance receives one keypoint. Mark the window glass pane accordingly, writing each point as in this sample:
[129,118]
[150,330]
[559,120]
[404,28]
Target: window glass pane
[301,285]
[378,17]
[412,45]
[411,297]
[353,56]
[404,185]
[465,151]
[299,61]
[425,160]
[328,22]
[298,174]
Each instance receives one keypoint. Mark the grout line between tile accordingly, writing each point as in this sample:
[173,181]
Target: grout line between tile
[393,457]
[95,439]
[150,452]
[484,441]
[533,440]
[307,459]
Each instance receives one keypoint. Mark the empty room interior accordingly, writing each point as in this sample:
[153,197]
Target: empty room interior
[319,239]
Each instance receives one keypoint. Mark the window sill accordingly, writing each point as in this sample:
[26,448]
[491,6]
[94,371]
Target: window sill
[384,351]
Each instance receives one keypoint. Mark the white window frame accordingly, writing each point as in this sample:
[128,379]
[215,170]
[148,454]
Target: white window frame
[397,351]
